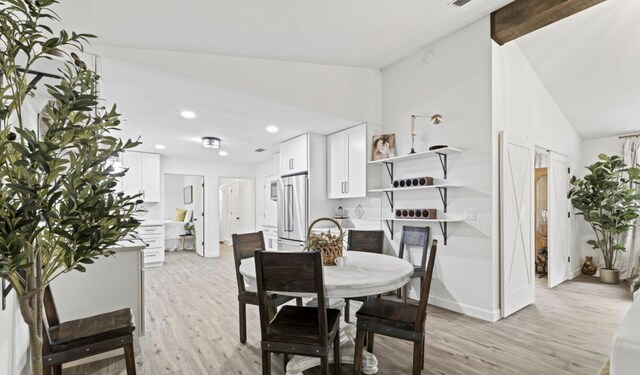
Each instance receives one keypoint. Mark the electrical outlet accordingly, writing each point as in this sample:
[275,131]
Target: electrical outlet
[470,214]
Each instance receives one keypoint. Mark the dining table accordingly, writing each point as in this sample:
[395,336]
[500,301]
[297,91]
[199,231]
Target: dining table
[363,274]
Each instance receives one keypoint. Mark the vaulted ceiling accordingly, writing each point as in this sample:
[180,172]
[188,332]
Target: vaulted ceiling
[590,64]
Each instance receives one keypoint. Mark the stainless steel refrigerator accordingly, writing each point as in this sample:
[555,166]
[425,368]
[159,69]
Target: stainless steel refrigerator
[293,212]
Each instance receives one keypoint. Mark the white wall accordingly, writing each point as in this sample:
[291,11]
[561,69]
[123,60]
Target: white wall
[457,84]
[212,173]
[172,195]
[524,108]
[592,147]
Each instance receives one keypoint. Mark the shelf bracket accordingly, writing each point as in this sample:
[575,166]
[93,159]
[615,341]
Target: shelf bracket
[5,292]
[443,162]
[389,170]
[443,228]
[443,196]
[389,195]
[390,227]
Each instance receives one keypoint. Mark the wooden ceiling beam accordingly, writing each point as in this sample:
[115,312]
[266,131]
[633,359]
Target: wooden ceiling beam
[524,16]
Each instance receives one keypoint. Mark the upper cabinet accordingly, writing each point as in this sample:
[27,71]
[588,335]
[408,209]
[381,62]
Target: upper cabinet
[294,156]
[347,155]
[143,176]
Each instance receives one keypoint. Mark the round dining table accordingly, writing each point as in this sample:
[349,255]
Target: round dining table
[364,274]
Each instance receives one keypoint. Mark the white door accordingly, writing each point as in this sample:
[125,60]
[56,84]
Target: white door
[517,273]
[131,182]
[356,186]
[150,177]
[225,231]
[336,165]
[198,216]
[235,214]
[559,244]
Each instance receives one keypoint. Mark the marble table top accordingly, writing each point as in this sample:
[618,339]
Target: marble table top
[365,274]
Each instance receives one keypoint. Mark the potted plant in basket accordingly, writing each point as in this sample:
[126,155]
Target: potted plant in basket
[608,201]
[59,209]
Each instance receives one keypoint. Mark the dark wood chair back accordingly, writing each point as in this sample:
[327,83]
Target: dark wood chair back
[371,241]
[426,288]
[293,272]
[415,236]
[245,246]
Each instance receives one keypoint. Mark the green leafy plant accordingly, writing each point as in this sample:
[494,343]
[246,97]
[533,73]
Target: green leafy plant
[189,227]
[59,209]
[608,201]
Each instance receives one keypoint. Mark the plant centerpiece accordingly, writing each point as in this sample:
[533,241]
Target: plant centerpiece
[330,245]
[59,207]
[608,201]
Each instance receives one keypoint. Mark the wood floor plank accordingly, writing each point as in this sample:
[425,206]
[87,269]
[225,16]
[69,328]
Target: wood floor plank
[192,329]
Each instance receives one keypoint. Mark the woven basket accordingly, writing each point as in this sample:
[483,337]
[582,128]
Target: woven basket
[329,244]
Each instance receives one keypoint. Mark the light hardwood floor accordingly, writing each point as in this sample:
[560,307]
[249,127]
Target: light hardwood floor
[192,328]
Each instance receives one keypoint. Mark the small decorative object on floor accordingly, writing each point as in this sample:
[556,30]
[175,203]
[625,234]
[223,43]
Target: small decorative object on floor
[329,244]
[589,267]
[384,146]
[541,262]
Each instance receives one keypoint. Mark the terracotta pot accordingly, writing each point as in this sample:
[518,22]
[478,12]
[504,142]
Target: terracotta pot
[610,276]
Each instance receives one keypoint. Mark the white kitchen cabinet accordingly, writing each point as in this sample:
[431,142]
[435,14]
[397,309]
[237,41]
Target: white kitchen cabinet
[347,163]
[294,156]
[152,234]
[143,175]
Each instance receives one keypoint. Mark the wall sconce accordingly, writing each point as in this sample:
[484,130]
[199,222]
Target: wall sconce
[435,120]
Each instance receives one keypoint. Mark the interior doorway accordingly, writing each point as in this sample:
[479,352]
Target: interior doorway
[184,213]
[552,217]
[237,207]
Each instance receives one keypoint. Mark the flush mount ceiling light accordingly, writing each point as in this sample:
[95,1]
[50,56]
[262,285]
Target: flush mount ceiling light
[211,142]
[188,114]
[272,129]
[223,153]
[160,147]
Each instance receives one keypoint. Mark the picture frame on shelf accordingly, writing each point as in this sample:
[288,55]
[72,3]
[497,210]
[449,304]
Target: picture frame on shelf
[383,146]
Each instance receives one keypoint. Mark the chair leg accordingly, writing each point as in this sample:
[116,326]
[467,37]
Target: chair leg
[243,322]
[56,370]
[399,293]
[266,362]
[347,309]
[324,364]
[370,342]
[423,340]
[357,356]
[299,301]
[285,360]
[336,354]
[405,292]
[417,356]
[130,359]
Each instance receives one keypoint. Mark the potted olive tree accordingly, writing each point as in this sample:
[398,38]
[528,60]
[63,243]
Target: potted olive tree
[608,202]
[59,209]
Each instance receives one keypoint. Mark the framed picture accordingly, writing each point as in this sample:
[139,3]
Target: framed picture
[384,146]
[187,194]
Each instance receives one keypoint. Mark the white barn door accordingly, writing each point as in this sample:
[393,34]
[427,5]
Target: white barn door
[517,268]
[559,244]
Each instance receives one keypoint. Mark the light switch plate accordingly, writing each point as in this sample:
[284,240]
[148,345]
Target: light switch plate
[470,214]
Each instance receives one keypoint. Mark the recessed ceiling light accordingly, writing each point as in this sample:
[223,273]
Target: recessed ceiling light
[211,142]
[223,153]
[188,114]
[272,129]
[160,147]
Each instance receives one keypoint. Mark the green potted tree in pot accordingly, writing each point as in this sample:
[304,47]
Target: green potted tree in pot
[608,202]
[59,208]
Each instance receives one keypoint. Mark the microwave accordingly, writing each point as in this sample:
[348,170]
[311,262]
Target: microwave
[274,190]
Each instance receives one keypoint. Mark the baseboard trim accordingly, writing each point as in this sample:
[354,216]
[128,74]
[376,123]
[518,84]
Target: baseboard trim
[575,273]
[487,315]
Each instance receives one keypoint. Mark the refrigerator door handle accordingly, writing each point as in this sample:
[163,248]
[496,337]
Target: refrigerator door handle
[290,218]
[285,205]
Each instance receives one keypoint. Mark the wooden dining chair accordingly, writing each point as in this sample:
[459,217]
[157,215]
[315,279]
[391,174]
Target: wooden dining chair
[303,330]
[80,338]
[414,237]
[396,319]
[370,241]
[244,246]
